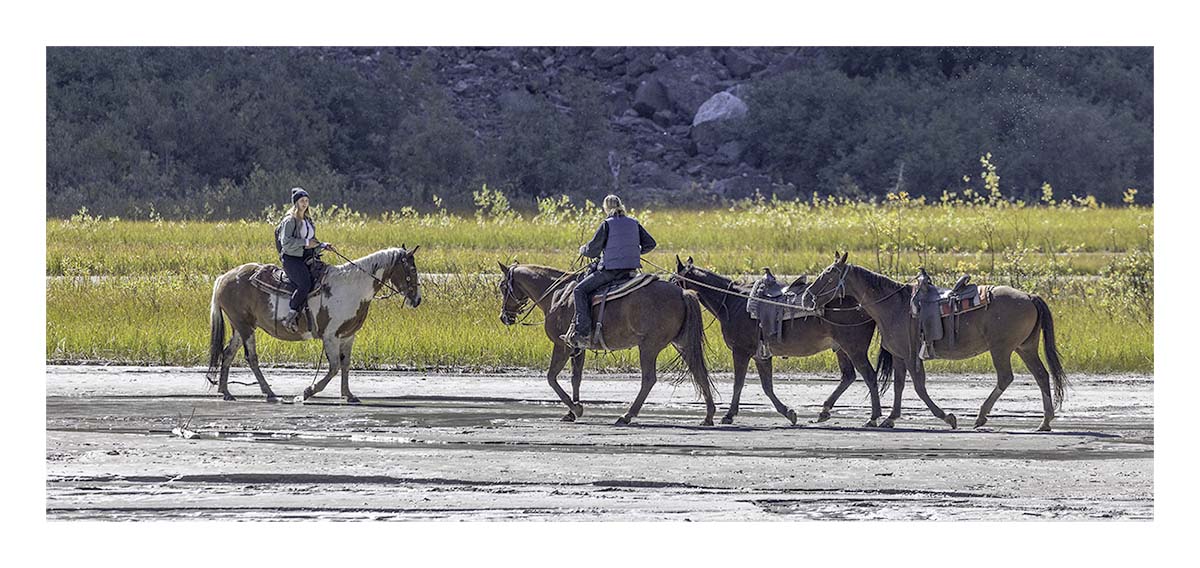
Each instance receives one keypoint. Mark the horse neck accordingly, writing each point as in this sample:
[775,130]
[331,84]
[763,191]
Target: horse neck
[369,269]
[534,281]
[876,302]
[714,299]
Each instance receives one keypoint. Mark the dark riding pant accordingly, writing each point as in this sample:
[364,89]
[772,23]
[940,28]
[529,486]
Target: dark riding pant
[583,296]
[298,272]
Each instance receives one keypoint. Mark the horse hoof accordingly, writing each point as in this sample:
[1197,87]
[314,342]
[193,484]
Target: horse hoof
[1044,427]
[791,416]
[623,421]
[952,421]
[979,422]
[228,396]
[351,399]
[706,422]
[887,423]
[823,416]
[727,419]
[577,410]
[871,424]
[272,399]
[570,417]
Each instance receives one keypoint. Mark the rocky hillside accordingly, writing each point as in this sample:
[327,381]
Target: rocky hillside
[666,104]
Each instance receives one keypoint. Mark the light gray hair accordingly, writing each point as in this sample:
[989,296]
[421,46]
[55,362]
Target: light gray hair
[613,205]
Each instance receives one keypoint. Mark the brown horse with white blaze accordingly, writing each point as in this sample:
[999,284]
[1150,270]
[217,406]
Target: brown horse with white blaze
[1011,322]
[339,308]
[649,318]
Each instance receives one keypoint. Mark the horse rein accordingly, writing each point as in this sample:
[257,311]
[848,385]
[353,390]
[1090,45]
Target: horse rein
[394,291]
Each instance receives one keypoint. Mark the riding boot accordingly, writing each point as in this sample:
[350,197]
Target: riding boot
[576,339]
[291,320]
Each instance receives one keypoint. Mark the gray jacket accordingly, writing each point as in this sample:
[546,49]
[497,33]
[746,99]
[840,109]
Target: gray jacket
[291,240]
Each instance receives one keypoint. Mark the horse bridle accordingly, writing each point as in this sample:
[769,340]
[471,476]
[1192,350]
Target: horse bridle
[839,289]
[523,308]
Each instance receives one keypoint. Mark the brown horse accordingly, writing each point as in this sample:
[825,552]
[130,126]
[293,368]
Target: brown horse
[340,308]
[843,329]
[1009,323]
[650,318]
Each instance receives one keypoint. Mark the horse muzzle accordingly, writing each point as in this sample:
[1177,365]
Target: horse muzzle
[507,318]
[413,301]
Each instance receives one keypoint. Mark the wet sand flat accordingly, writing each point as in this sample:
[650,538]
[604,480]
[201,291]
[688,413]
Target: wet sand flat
[492,447]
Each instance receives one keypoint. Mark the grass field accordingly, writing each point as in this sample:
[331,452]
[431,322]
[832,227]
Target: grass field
[138,292]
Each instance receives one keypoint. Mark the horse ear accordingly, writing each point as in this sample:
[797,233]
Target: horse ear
[503,269]
[678,264]
[414,250]
[842,260]
[690,261]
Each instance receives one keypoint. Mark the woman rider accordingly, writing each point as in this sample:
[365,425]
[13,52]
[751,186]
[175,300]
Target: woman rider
[619,242]
[298,247]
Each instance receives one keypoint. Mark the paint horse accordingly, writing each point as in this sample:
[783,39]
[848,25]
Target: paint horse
[339,302]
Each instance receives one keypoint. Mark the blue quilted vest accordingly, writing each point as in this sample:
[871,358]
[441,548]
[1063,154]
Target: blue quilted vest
[623,250]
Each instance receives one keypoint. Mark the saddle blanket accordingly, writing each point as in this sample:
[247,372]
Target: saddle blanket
[970,303]
[273,280]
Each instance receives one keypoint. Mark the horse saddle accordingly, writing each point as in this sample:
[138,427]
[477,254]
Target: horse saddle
[770,314]
[931,304]
[273,280]
[623,287]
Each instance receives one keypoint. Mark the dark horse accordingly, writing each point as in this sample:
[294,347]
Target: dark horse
[649,318]
[846,331]
[1009,323]
[340,308]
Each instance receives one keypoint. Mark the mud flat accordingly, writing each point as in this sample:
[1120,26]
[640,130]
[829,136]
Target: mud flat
[492,447]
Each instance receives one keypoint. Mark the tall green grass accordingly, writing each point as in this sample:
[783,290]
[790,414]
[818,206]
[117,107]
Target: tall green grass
[138,292]
[164,320]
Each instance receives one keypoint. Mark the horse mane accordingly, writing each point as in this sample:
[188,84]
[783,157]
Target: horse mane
[545,271]
[379,259]
[876,280]
[724,281]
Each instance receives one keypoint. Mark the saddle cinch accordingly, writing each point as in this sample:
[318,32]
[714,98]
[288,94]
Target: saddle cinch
[770,314]
[620,288]
[931,304]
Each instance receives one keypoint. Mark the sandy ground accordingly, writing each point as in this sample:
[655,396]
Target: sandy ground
[491,447]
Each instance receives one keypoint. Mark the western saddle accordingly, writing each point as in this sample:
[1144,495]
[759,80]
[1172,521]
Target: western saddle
[628,284]
[769,313]
[930,304]
[273,280]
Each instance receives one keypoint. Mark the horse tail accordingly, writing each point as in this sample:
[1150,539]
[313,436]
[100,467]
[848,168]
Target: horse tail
[883,370]
[691,341]
[1046,320]
[216,338]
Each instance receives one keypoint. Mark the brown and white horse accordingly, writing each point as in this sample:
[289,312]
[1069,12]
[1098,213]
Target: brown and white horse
[339,308]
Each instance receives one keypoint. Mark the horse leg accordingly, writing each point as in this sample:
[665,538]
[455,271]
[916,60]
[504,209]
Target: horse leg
[252,360]
[332,350]
[344,363]
[863,365]
[226,360]
[1030,356]
[740,362]
[898,370]
[576,378]
[649,363]
[766,378]
[847,368]
[1002,359]
[918,375]
[558,360]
